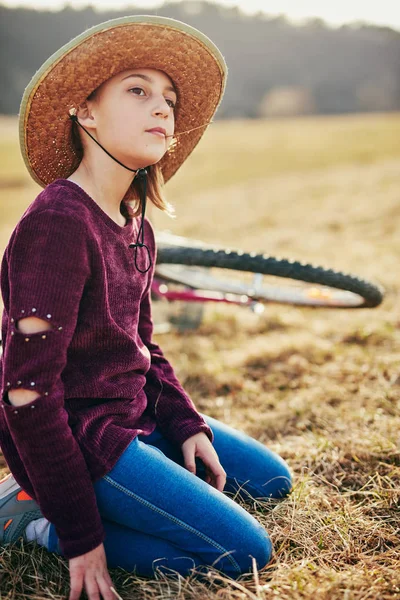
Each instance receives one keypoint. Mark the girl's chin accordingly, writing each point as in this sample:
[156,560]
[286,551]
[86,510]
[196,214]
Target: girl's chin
[145,160]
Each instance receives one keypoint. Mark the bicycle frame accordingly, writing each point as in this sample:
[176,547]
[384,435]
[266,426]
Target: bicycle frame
[159,288]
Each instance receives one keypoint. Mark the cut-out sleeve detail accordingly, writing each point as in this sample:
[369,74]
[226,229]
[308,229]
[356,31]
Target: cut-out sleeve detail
[46,267]
[172,407]
[36,360]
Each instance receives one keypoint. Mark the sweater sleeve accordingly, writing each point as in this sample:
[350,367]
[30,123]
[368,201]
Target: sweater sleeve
[44,270]
[173,409]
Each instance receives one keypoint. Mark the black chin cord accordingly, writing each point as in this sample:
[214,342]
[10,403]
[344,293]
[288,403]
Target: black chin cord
[140,174]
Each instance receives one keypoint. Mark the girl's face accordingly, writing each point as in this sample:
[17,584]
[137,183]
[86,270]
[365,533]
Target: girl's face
[123,110]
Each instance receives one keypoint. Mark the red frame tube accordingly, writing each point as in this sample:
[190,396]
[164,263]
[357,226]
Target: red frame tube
[160,288]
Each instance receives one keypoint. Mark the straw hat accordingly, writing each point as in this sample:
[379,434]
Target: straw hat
[192,61]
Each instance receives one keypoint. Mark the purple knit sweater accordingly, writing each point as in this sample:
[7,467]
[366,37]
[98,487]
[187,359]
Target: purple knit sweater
[101,378]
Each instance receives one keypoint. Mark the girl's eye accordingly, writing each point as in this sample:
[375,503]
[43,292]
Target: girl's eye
[136,88]
[172,103]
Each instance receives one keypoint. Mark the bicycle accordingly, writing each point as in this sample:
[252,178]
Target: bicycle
[194,273]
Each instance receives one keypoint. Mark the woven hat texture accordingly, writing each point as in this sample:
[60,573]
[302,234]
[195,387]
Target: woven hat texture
[192,61]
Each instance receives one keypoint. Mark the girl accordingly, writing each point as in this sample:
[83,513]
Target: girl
[112,462]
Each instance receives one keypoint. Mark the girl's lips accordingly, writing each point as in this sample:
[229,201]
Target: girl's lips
[160,133]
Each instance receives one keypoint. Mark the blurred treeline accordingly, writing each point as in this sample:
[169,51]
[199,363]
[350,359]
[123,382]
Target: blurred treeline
[275,67]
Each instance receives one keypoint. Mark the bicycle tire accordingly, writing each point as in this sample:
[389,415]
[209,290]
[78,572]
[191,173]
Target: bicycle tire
[370,294]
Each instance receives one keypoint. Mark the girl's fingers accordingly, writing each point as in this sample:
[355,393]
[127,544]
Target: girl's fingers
[90,571]
[216,478]
[105,585]
[92,589]
[76,580]
[216,473]
[221,481]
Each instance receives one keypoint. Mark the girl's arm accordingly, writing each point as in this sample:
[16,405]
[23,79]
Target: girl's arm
[174,410]
[172,407]
[43,273]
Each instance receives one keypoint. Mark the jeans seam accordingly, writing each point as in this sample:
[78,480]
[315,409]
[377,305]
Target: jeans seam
[174,519]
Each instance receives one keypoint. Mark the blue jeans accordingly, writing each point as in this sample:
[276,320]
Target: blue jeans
[157,514]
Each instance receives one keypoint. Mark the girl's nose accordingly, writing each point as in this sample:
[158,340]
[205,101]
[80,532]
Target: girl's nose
[162,108]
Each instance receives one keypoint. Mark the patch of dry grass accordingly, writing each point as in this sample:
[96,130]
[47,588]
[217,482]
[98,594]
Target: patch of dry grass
[320,387]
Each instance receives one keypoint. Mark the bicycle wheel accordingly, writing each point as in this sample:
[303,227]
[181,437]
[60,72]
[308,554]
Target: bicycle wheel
[320,287]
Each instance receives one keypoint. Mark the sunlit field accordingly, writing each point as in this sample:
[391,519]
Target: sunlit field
[319,386]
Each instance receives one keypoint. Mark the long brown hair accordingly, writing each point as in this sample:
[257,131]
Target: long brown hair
[155,193]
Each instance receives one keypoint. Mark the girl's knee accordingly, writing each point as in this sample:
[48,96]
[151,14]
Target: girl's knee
[279,482]
[282,482]
[259,548]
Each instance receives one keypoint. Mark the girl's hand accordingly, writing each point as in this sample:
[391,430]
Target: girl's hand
[199,445]
[90,570]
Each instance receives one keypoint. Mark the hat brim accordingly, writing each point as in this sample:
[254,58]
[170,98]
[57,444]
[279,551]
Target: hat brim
[192,61]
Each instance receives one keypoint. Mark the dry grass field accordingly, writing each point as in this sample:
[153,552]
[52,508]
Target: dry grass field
[319,386]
